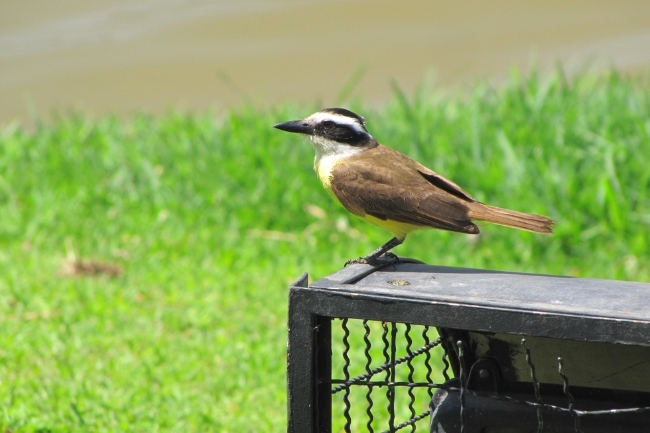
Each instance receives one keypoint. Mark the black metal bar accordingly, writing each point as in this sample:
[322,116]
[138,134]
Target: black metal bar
[391,401]
[346,374]
[478,318]
[409,364]
[369,410]
[613,411]
[524,304]
[427,358]
[366,350]
[565,380]
[323,373]
[386,353]
[366,340]
[299,363]
[387,383]
[463,384]
[444,370]
[538,396]
[302,388]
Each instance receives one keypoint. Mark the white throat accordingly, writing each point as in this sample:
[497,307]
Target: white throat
[331,151]
[328,155]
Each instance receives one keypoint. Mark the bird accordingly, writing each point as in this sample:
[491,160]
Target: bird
[387,188]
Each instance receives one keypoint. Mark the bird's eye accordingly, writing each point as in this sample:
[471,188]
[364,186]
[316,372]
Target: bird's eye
[328,124]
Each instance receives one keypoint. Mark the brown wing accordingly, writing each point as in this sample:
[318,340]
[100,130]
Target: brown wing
[390,186]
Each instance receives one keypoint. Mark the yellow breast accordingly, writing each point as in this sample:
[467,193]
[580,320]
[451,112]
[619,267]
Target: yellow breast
[323,167]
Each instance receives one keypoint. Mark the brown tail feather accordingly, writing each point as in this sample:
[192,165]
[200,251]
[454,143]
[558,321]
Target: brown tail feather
[511,218]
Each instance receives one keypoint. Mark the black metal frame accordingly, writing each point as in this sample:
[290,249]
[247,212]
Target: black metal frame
[455,301]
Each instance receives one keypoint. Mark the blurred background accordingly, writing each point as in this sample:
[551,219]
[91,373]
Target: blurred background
[151,219]
[124,56]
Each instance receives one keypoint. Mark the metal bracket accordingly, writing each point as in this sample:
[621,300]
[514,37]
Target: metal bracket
[484,376]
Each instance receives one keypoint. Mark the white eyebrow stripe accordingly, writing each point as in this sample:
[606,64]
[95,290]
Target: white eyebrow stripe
[336,118]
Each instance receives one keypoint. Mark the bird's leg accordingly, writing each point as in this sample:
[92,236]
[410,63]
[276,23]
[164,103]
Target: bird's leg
[371,259]
[384,249]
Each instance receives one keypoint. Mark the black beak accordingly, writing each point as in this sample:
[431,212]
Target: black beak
[295,126]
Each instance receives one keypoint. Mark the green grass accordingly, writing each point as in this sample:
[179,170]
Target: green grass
[207,218]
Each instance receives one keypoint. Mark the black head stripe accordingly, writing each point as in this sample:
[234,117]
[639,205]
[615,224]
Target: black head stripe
[342,133]
[346,113]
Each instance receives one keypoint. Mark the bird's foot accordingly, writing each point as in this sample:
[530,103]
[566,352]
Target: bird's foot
[359,261]
[389,257]
[383,260]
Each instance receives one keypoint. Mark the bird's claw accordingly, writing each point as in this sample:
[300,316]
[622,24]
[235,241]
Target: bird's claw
[383,260]
[359,261]
[390,256]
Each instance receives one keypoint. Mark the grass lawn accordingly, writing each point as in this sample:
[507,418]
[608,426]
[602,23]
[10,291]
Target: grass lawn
[205,221]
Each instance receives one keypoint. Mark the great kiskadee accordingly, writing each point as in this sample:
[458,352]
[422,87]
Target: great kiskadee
[389,189]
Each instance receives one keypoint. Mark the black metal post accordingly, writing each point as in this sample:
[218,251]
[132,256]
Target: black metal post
[309,402]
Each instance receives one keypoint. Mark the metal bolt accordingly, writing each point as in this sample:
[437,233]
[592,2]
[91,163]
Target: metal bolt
[483,373]
[399,283]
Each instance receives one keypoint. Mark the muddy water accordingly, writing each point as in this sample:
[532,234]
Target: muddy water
[124,56]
